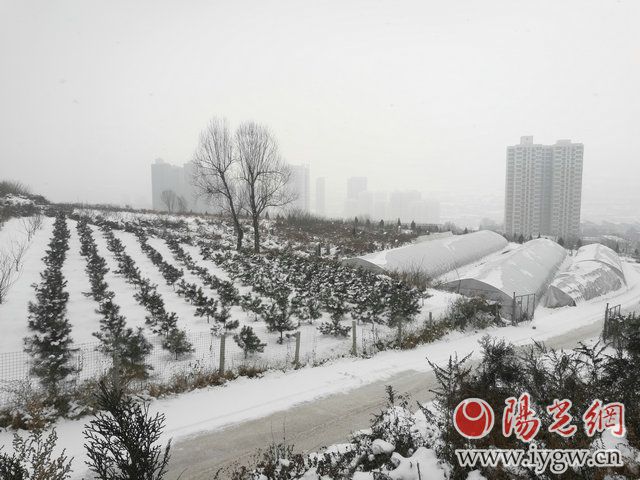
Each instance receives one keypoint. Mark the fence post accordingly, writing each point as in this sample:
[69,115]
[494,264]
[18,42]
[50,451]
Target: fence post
[354,344]
[296,358]
[223,339]
[431,316]
[605,329]
[514,313]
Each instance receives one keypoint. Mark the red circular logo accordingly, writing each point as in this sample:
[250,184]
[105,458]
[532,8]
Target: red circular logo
[473,418]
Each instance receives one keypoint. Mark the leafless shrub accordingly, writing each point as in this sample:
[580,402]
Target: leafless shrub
[31,225]
[7,275]
[169,200]
[10,187]
[181,204]
[17,252]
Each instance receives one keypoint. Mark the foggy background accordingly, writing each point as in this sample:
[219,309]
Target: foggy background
[412,94]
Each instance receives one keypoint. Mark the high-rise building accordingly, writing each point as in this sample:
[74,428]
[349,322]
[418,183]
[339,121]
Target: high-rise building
[358,197]
[165,176]
[321,200]
[300,185]
[356,186]
[543,189]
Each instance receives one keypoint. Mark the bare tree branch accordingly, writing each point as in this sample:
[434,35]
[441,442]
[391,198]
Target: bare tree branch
[215,172]
[169,199]
[264,175]
[181,204]
[7,275]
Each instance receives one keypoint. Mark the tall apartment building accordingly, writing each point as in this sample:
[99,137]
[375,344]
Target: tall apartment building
[543,189]
[165,176]
[300,185]
[356,186]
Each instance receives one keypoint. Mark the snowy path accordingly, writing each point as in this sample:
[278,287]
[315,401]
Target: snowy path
[313,425]
[245,400]
[81,309]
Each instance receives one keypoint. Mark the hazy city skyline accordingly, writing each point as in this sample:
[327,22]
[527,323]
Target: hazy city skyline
[415,95]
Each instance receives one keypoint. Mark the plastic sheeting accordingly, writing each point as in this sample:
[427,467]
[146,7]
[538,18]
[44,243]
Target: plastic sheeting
[433,257]
[524,271]
[596,271]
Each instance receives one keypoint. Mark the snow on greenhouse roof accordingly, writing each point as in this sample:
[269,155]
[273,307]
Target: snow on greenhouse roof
[525,270]
[433,257]
[596,271]
[600,253]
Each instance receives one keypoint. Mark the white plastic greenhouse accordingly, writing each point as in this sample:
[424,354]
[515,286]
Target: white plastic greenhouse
[433,257]
[596,270]
[523,273]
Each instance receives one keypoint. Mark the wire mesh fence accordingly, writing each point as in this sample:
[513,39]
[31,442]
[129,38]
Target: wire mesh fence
[305,347]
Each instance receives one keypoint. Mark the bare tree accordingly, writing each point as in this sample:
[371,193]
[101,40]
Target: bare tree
[264,176]
[31,225]
[7,277]
[169,199]
[18,249]
[181,204]
[215,172]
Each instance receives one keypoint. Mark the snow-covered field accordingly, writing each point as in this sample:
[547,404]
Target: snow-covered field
[81,309]
[244,399]
[216,407]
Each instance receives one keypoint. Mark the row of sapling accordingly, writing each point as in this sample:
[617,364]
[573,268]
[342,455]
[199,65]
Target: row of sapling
[366,296]
[170,273]
[50,343]
[206,306]
[128,347]
[227,292]
[158,319]
[321,285]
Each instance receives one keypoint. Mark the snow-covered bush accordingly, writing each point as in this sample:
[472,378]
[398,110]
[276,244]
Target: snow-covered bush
[50,341]
[33,458]
[121,439]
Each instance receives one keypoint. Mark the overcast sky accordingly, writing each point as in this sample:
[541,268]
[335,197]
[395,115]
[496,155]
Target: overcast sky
[413,94]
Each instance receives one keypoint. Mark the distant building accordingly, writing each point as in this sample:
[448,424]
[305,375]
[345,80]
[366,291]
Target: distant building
[358,197]
[356,186]
[321,200]
[408,205]
[165,176]
[543,189]
[300,185]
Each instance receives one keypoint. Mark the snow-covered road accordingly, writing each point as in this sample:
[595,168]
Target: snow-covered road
[312,425]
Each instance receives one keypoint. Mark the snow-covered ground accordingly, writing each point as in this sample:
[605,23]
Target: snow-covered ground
[13,311]
[314,346]
[245,399]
